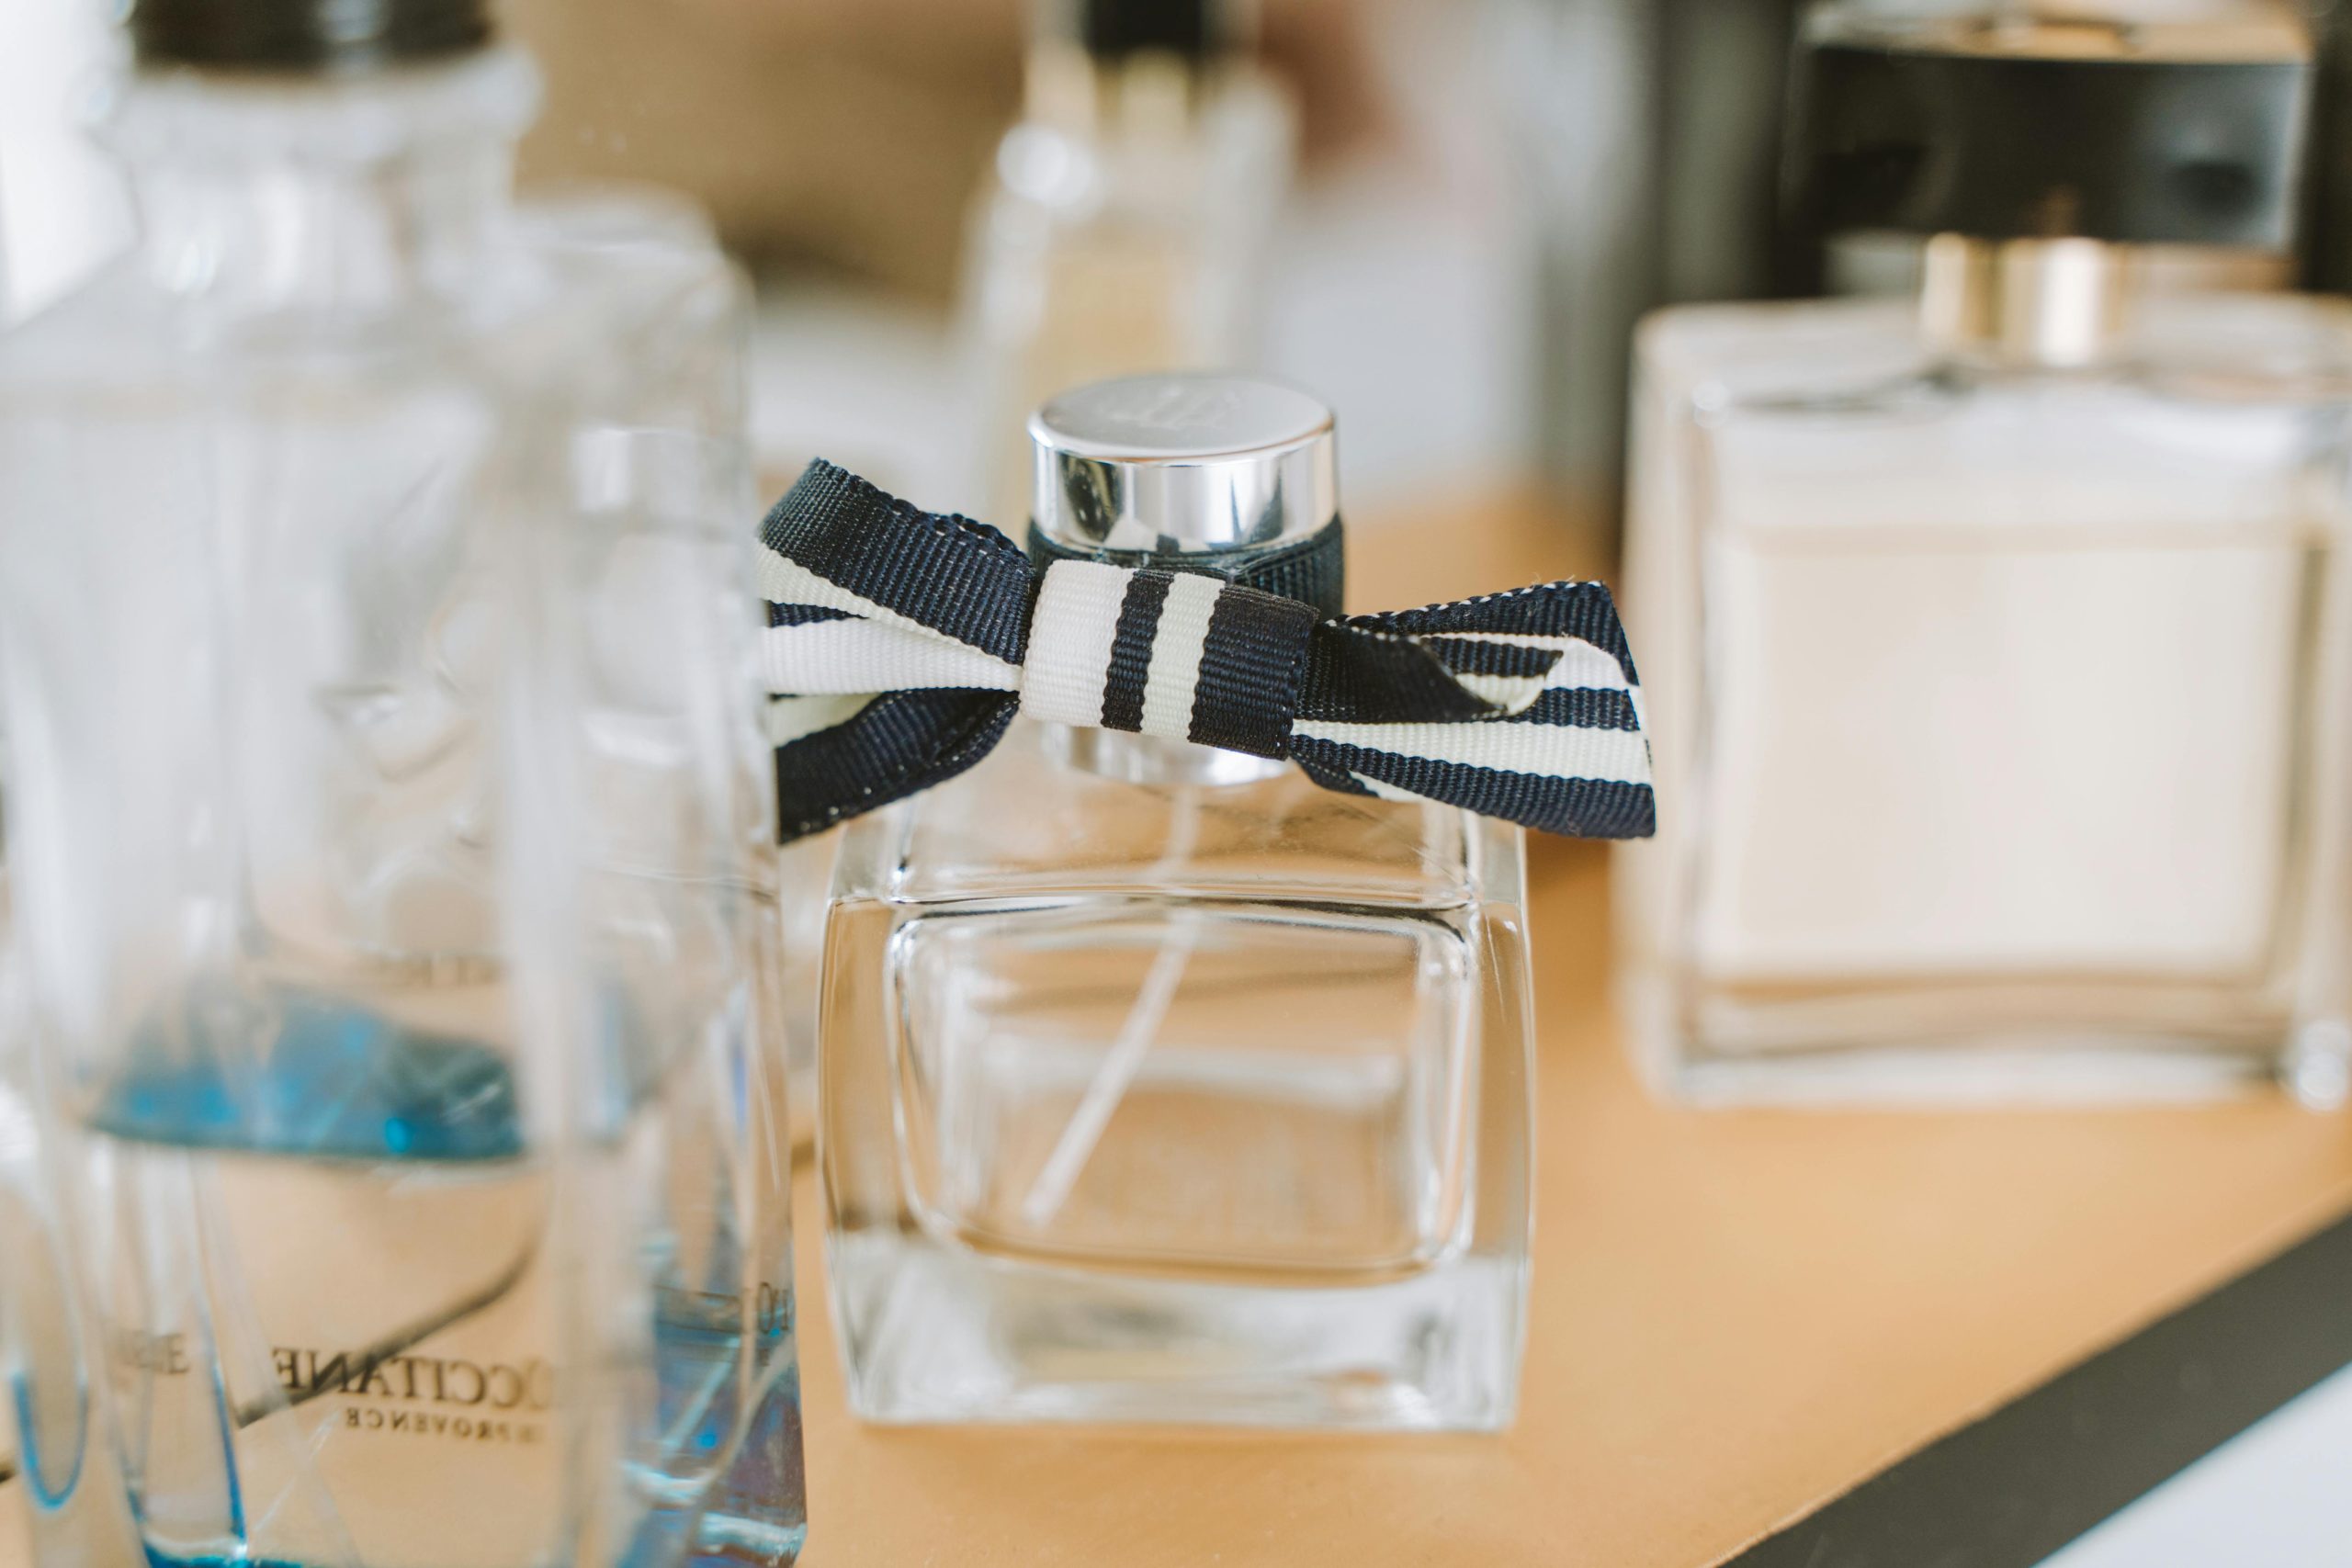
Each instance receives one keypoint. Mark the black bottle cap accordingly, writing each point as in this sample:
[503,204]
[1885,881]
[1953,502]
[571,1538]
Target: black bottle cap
[305,35]
[1193,29]
[2002,130]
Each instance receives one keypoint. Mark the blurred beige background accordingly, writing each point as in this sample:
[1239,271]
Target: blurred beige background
[851,133]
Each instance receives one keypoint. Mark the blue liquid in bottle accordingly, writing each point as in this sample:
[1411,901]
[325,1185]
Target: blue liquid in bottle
[334,1329]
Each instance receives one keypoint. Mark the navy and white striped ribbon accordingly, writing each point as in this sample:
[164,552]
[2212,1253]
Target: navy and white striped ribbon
[901,643]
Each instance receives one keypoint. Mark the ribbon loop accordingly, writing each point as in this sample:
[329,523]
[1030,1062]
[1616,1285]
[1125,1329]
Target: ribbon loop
[900,644]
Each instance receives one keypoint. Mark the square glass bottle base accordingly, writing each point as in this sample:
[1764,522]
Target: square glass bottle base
[1176,1102]
[1910,1046]
[940,1332]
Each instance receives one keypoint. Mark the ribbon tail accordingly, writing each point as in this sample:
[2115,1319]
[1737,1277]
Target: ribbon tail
[895,745]
[1520,705]
[1553,793]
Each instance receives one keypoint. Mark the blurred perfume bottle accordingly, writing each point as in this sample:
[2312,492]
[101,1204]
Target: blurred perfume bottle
[804,879]
[1997,638]
[1644,133]
[646,906]
[62,1500]
[1124,229]
[649,838]
[263,489]
[605,227]
[1161,1084]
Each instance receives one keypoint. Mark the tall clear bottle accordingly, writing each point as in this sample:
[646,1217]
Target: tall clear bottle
[61,1501]
[1161,1084]
[1126,228]
[604,227]
[647,910]
[267,489]
[1997,642]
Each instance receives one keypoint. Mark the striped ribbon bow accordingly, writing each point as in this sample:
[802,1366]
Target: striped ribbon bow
[901,643]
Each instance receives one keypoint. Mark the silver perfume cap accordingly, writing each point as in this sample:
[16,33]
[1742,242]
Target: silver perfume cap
[1183,463]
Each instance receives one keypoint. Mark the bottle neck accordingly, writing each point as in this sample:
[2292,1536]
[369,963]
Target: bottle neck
[262,192]
[2041,304]
[1153,97]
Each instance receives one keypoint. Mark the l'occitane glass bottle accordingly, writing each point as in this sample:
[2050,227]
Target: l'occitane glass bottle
[265,489]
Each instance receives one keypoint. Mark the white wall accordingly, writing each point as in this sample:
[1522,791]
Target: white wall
[62,208]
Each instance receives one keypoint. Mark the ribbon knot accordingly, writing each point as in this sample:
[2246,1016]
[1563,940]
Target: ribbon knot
[1167,653]
[901,643]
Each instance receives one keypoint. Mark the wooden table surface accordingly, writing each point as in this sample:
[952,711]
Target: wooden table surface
[1735,1315]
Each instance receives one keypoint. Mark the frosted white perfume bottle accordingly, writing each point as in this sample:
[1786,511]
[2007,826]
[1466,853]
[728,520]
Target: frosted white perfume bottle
[1126,227]
[1159,1084]
[265,486]
[1994,643]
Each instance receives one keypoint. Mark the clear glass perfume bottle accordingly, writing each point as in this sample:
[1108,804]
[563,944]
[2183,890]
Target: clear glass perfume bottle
[804,880]
[628,227]
[1997,642]
[262,488]
[61,1495]
[646,826]
[1126,228]
[1159,1084]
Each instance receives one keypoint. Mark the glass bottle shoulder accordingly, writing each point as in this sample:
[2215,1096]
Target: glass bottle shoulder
[2222,414]
[1866,353]
[1225,157]
[127,349]
[1028,822]
[558,308]
[646,316]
